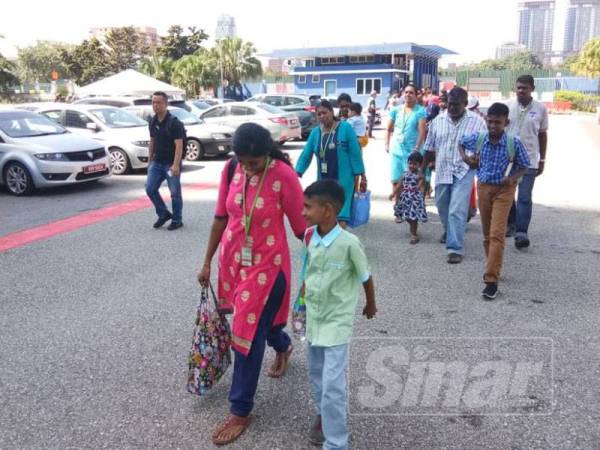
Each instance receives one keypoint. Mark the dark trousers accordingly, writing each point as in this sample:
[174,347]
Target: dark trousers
[371,124]
[246,369]
[521,210]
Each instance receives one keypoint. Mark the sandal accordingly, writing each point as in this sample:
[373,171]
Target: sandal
[414,239]
[398,219]
[231,429]
[280,364]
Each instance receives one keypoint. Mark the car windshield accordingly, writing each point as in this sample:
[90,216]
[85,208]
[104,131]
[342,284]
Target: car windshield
[186,117]
[117,118]
[201,105]
[27,124]
[269,108]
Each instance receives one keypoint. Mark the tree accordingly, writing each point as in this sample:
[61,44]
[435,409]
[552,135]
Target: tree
[237,60]
[87,62]
[588,61]
[38,61]
[177,44]
[7,71]
[193,72]
[156,66]
[125,47]
[520,62]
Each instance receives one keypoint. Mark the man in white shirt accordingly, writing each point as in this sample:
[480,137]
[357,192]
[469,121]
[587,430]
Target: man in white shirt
[529,121]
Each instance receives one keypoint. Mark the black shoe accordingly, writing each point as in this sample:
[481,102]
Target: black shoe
[490,291]
[174,225]
[521,242]
[162,220]
[443,238]
[510,231]
[454,258]
[315,435]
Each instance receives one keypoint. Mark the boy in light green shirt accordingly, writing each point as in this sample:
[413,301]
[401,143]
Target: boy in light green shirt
[336,265]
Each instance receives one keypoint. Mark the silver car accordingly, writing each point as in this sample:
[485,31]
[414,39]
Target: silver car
[125,135]
[202,139]
[282,125]
[35,153]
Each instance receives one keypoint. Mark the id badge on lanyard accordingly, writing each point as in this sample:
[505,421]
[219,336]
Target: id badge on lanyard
[328,146]
[246,255]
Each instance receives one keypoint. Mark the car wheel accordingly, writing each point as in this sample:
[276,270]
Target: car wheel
[119,161]
[17,179]
[193,150]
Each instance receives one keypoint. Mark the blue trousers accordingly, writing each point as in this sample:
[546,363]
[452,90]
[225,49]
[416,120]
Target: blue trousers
[246,369]
[519,217]
[327,371]
[452,201]
[157,173]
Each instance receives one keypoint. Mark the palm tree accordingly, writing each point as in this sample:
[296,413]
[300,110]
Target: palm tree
[7,71]
[157,66]
[238,60]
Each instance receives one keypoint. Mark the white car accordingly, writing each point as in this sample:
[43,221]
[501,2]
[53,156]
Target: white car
[202,139]
[282,125]
[125,135]
[35,152]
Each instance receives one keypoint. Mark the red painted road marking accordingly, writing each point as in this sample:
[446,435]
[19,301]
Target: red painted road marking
[42,232]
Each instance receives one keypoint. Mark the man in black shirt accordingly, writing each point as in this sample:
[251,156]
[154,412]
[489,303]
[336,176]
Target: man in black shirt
[164,161]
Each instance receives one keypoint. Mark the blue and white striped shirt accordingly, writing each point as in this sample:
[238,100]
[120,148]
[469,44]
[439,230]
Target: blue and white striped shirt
[443,139]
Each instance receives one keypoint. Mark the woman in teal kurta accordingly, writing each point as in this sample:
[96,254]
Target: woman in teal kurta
[338,154]
[408,125]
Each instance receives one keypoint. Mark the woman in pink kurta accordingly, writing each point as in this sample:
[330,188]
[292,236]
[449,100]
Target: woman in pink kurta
[254,264]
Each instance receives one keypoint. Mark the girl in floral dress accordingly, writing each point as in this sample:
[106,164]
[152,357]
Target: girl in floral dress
[409,196]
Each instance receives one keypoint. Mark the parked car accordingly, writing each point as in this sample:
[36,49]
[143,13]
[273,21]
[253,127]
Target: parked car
[336,109]
[301,105]
[36,152]
[202,139]
[283,126]
[125,135]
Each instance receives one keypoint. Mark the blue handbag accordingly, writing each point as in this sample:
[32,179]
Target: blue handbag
[361,209]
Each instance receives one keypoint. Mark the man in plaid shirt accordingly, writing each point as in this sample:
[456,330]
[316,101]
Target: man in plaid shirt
[453,177]
[500,160]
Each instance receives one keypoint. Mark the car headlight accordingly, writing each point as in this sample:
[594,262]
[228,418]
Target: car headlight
[52,156]
[219,136]
[141,143]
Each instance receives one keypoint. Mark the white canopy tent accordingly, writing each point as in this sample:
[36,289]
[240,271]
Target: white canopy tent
[129,83]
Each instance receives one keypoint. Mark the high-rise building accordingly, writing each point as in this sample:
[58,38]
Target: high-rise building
[149,34]
[581,25]
[509,49]
[225,27]
[536,26]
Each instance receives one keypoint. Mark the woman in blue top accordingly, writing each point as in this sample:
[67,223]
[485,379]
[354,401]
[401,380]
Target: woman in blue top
[408,125]
[336,147]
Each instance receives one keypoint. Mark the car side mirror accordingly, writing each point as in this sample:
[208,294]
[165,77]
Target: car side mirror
[91,126]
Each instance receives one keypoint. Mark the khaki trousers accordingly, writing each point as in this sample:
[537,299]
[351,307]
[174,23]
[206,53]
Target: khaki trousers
[494,205]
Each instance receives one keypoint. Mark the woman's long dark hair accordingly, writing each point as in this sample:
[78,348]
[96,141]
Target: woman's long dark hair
[250,139]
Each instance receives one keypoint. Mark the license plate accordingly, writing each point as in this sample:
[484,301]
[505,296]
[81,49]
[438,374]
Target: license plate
[94,168]
[221,148]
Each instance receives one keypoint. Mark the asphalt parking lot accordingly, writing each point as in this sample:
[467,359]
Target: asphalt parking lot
[96,321]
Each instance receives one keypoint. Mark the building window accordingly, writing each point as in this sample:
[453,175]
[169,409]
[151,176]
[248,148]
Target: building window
[362,59]
[301,79]
[316,79]
[332,60]
[310,63]
[364,86]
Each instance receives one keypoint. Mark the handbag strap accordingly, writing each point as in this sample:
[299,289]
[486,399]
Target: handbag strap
[204,296]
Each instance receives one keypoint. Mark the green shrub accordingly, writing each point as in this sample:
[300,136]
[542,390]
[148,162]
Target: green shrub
[579,101]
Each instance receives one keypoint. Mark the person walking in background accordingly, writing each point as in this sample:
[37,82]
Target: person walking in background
[165,153]
[500,160]
[371,112]
[454,177]
[337,151]
[336,264]
[343,102]
[529,121]
[409,197]
[406,129]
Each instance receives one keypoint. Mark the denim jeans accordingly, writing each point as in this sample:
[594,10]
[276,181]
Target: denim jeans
[520,213]
[157,173]
[327,371]
[246,369]
[452,201]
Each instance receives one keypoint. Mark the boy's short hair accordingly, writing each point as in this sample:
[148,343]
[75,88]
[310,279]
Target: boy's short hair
[526,79]
[498,110]
[161,94]
[343,97]
[416,157]
[327,191]
[356,107]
